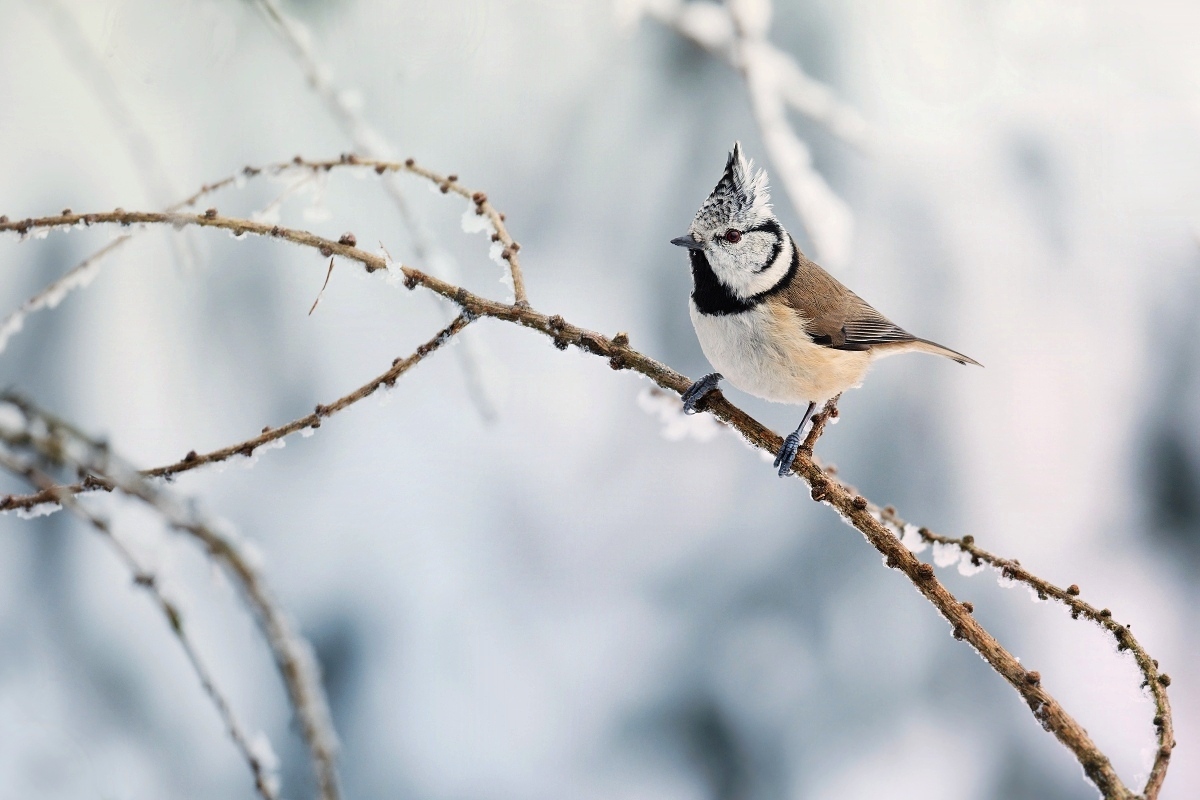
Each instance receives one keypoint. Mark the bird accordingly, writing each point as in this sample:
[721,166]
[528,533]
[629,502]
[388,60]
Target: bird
[769,319]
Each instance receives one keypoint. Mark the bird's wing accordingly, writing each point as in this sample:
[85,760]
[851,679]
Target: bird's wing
[835,316]
[866,327]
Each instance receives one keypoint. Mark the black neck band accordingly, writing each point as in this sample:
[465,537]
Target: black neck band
[715,298]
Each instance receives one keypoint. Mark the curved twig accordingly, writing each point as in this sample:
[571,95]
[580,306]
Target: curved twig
[369,142]
[711,27]
[1155,681]
[311,421]
[737,34]
[59,443]
[265,783]
[86,270]
[82,274]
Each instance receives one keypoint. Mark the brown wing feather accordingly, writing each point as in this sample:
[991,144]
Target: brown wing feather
[837,317]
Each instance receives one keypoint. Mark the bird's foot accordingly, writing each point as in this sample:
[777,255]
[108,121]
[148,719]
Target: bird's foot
[787,453]
[696,392]
[791,445]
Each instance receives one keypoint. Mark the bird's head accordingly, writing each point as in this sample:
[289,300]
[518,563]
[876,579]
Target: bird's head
[735,231]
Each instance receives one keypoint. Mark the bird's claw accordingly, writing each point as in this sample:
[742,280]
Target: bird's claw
[697,391]
[787,453]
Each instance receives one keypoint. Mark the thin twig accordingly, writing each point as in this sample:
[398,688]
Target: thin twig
[710,27]
[60,443]
[819,421]
[83,273]
[56,291]
[314,420]
[370,143]
[448,184]
[737,33]
[852,507]
[86,270]
[328,274]
[265,783]
[1155,681]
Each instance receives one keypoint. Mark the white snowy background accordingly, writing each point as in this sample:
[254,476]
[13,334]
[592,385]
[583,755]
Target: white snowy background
[561,602]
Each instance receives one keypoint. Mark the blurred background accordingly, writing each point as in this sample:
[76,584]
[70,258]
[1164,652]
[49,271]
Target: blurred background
[524,589]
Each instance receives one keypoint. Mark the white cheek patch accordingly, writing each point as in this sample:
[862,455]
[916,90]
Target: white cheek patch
[741,267]
[727,270]
[775,271]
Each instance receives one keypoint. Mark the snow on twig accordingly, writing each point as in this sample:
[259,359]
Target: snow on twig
[369,142]
[262,768]
[56,443]
[737,33]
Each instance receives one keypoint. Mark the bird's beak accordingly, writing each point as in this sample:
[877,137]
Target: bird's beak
[688,242]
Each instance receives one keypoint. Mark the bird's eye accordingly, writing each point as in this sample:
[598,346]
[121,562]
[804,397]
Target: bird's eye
[733,236]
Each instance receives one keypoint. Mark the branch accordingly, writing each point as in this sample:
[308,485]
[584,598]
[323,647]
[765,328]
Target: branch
[710,27]
[853,507]
[58,443]
[369,142]
[856,510]
[1155,681]
[265,782]
[310,421]
[82,274]
[56,291]
[737,34]
[447,184]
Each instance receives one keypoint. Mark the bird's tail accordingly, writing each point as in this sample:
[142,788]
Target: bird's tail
[926,346]
[923,346]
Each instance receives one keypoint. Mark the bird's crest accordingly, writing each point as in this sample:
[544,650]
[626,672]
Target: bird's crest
[741,198]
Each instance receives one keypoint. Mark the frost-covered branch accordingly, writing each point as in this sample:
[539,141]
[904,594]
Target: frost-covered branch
[258,753]
[56,291]
[824,486]
[370,143]
[58,444]
[269,437]
[710,26]
[970,556]
[737,34]
[83,273]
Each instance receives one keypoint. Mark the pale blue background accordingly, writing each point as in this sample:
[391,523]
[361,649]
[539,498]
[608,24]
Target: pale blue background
[561,603]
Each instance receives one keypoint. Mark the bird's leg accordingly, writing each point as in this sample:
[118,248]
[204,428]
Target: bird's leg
[696,392]
[787,453]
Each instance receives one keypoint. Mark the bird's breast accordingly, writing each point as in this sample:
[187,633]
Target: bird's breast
[767,352]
